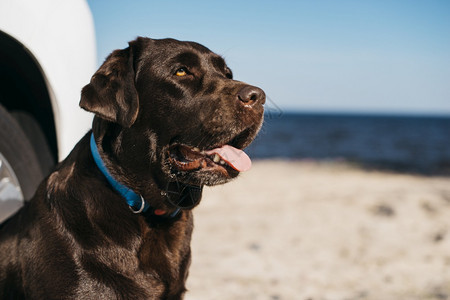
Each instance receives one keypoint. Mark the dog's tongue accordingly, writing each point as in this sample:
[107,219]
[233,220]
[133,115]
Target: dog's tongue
[235,158]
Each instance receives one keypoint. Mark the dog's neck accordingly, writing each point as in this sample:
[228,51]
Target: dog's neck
[135,201]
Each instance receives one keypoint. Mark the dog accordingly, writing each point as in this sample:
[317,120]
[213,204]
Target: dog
[114,219]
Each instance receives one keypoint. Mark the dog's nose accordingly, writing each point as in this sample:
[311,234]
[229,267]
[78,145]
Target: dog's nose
[250,95]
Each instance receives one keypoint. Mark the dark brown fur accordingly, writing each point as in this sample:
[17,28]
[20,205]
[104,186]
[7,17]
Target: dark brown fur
[77,237]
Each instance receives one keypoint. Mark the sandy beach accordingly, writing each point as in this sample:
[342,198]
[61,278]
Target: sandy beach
[309,230]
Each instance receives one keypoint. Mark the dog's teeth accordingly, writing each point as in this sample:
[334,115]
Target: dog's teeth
[196,149]
[222,162]
[216,158]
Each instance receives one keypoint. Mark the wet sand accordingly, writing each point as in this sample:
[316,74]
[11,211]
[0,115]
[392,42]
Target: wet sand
[308,230]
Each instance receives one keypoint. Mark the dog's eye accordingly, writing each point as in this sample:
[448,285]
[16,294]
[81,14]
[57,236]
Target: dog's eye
[181,72]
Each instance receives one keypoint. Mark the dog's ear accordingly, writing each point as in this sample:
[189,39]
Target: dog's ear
[112,94]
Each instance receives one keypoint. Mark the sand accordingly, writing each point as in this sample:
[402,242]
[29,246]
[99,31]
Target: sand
[308,230]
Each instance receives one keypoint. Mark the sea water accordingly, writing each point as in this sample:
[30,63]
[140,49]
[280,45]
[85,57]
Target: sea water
[402,143]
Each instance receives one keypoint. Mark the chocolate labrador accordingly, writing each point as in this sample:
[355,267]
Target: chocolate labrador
[114,220]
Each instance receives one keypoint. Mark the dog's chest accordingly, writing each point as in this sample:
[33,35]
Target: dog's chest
[154,267]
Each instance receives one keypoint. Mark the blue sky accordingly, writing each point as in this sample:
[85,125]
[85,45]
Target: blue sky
[331,56]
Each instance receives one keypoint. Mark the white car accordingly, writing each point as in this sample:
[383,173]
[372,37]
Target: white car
[47,54]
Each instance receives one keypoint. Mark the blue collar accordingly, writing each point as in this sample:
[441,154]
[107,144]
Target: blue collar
[136,202]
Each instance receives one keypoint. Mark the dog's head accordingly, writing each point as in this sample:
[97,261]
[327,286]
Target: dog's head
[169,111]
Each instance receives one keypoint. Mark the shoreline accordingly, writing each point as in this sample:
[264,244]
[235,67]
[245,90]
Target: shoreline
[442,170]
